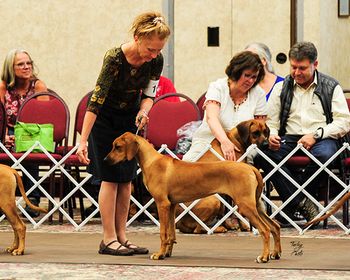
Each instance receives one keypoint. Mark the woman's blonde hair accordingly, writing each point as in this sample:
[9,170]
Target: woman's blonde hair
[8,72]
[149,24]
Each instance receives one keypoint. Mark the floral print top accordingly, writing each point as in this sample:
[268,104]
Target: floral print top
[120,84]
[13,101]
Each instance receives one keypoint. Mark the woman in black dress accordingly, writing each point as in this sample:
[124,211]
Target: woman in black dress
[123,96]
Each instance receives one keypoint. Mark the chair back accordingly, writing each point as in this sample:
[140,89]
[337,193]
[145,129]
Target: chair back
[165,118]
[2,123]
[200,103]
[54,111]
[79,116]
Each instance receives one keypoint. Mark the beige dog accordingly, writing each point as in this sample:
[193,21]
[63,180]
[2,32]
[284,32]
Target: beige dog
[210,209]
[172,181]
[9,178]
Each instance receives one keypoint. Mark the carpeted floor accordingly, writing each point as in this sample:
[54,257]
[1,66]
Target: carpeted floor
[191,250]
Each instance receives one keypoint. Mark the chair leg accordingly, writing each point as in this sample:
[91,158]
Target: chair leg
[326,201]
[61,195]
[82,208]
[52,194]
[346,204]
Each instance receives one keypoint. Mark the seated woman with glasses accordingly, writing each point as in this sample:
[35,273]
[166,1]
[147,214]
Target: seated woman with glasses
[18,82]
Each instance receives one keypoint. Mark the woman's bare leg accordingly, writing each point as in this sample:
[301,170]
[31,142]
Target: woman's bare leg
[107,200]
[122,210]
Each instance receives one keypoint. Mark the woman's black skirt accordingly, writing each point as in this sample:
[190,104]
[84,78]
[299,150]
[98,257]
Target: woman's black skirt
[109,125]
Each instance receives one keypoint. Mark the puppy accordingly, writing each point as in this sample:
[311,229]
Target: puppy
[210,209]
[9,179]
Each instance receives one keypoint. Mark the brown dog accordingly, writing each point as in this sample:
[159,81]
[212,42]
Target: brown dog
[210,209]
[172,181]
[9,178]
[331,212]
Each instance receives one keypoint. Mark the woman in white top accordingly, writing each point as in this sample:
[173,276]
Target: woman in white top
[230,101]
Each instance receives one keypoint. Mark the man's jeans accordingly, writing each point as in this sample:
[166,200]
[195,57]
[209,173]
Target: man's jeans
[322,150]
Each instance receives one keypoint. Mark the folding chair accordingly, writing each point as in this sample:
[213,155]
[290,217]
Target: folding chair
[345,172]
[56,112]
[200,103]
[72,163]
[297,164]
[2,123]
[165,118]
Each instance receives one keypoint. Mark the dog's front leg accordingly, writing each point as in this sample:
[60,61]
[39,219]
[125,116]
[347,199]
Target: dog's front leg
[163,213]
[171,231]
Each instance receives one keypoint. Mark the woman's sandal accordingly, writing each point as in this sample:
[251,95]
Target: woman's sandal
[136,249]
[105,249]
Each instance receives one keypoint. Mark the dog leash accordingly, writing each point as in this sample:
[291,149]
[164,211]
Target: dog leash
[144,114]
[138,127]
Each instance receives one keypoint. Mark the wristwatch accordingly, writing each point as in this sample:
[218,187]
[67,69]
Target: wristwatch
[318,134]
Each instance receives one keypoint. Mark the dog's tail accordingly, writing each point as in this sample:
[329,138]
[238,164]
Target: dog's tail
[260,187]
[23,193]
[331,212]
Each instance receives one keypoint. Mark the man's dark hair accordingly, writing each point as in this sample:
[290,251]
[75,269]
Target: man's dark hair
[303,50]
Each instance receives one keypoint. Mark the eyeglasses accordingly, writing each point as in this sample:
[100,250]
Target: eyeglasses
[23,64]
[250,76]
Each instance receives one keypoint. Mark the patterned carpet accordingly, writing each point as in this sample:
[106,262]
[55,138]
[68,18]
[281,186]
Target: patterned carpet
[56,262]
[297,249]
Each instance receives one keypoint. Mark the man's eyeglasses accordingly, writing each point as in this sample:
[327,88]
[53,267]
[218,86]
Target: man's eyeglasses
[23,64]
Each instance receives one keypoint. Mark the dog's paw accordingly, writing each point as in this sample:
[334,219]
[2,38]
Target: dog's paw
[220,229]
[156,256]
[260,259]
[17,252]
[168,254]
[275,256]
[9,249]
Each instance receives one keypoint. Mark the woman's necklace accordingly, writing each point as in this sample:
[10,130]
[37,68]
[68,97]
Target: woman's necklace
[236,101]
[236,105]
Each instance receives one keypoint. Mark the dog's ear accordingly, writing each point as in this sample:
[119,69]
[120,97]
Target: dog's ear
[243,129]
[267,131]
[131,148]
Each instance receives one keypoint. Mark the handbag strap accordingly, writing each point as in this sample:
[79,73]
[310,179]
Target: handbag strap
[30,128]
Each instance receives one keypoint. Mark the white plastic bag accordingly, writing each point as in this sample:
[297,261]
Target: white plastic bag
[184,134]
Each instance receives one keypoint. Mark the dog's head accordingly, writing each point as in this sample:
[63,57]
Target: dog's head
[254,132]
[124,148]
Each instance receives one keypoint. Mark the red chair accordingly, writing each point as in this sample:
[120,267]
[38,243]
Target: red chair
[296,165]
[165,118]
[72,163]
[345,171]
[54,111]
[200,103]
[2,123]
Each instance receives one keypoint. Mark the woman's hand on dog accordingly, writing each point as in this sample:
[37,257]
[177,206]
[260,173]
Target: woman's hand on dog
[229,150]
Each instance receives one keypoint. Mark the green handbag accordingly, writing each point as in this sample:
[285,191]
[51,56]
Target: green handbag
[26,134]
